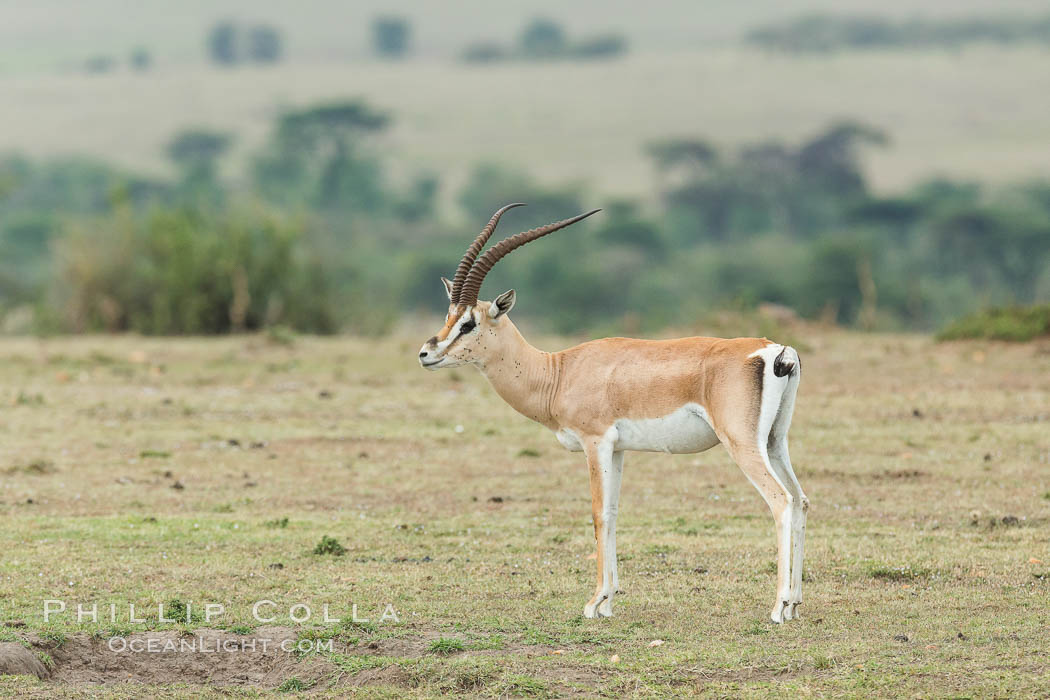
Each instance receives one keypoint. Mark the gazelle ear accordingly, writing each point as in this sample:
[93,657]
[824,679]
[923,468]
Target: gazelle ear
[448,287]
[503,303]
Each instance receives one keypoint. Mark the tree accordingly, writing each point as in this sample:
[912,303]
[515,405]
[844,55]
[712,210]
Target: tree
[317,156]
[543,38]
[391,37]
[140,59]
[693,154]
[264,44]
[196,153]
[831,158]
[222,43]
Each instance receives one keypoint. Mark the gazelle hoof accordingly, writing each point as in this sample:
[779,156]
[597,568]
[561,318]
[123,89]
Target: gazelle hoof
[600,606]
[785,610]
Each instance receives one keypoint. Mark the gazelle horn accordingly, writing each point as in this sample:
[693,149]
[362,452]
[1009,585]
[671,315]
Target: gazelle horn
[472,252]
[468,295]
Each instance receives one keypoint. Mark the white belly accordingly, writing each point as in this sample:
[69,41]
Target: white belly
[686,430]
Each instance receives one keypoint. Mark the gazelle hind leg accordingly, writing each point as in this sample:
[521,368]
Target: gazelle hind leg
[749,443]
[754,462]
[780,460]
[606,473]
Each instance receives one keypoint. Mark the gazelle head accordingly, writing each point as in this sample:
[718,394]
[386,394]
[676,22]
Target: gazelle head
[475,329]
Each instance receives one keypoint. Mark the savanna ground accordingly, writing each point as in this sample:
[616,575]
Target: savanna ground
[148,470]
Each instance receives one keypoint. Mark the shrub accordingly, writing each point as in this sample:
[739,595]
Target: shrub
[181,271]
[485,52]
[330,545]
[1012,323]
[600,47]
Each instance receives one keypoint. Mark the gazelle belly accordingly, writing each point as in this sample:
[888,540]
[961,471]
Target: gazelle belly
[686,430]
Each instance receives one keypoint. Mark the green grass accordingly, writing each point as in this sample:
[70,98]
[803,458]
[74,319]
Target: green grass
[446,646]
[486,592]
[293,685]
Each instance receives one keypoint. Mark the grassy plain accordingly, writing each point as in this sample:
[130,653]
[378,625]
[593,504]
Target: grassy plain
[146,470]
[974,114]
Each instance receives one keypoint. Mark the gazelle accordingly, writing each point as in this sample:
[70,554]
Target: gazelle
[616,394]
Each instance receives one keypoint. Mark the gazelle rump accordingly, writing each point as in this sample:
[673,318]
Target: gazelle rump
[607,396]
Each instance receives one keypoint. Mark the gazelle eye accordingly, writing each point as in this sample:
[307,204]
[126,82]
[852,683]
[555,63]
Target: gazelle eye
[467,327]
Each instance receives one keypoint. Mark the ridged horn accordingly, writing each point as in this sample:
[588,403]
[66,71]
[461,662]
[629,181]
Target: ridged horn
[468,295]
[472,252]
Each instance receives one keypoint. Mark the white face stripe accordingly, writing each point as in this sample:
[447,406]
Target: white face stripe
[455,333]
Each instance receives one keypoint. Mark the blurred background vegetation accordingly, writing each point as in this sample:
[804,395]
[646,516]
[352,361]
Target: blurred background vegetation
[244,167]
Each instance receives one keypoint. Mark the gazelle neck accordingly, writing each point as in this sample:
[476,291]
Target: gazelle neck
[523,376]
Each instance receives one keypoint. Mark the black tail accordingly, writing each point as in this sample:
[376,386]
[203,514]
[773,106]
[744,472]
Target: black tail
[782,367]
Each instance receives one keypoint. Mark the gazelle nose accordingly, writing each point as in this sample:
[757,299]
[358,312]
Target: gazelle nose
[423,354]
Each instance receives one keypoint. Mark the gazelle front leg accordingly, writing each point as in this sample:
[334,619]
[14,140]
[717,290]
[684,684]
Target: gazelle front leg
[606,473]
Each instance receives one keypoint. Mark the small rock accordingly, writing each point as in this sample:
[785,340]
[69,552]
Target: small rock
[656,643]
[900,638]
[615,658]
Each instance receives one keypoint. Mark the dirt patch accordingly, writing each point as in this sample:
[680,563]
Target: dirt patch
[203,657]
[265,660]
[16,660]
[392,675]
